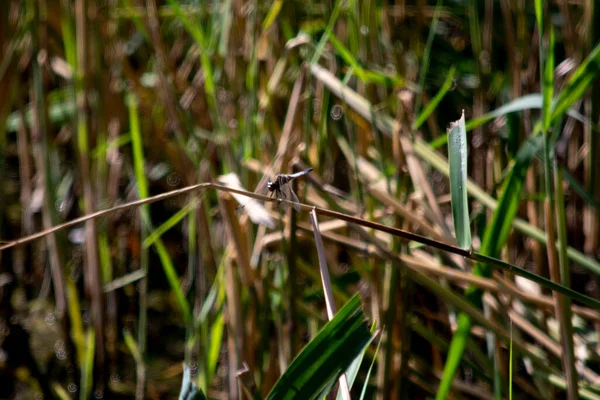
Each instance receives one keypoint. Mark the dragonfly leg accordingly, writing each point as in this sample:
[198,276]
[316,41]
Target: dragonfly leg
[271,194]
[281,196]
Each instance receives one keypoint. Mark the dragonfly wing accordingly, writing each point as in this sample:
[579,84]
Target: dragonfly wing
[261,189]
[288,194]
[295,200]
[255,210]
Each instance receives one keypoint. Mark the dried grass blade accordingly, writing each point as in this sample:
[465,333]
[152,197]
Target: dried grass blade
[327,289]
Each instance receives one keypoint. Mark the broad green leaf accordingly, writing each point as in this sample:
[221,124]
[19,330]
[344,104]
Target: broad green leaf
[580,82]
[526,102]
[457,153]
[327,356]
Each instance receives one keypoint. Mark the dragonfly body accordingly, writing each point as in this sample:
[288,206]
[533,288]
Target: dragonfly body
[280,187]
[282,179]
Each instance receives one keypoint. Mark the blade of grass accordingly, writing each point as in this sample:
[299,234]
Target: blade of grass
[93,280]
[581,80]
[168,224]
[547,82]
[335,13]
[87,368]
[125,280]
[552,209]
[142,186]
[494,238]
[77,332]
[457,152]
[326,283]
[526,102]
[365,75]
[579,189]
[425,69]
[167,264]
[565,275]
[510,366]
[60,392]
[366,383]
[213,341]
[40,142]
[326,356]
[272,14]
[197,33]
[433,103]
[224,23]
[134,349]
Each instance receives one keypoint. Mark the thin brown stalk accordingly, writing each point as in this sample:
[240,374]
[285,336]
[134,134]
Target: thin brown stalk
[406,235]
[554,268]
[124,280]
[92,275]
[240,323]
[427,264]
[25,173]
[591,217]
[419,180]
[40,144]
[378,190]
[165,92]
[292,281]
[124,207]
[234,323]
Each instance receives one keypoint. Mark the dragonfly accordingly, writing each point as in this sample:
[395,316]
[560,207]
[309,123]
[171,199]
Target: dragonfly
[280,187]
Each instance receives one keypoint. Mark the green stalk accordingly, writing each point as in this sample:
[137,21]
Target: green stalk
[92,269]
[565,274]
[142,186]
[425,64]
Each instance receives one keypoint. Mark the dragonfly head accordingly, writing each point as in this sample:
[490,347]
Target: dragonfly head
[270,185]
